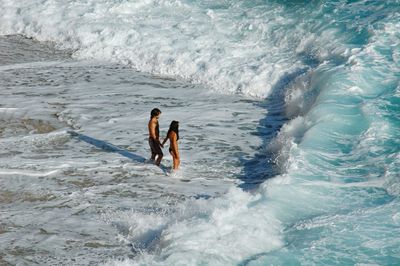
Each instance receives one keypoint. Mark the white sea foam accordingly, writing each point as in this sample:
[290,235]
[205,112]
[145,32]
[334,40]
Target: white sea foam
[231,49]
[12,172]
[285,143]
[355,90]
[215,224]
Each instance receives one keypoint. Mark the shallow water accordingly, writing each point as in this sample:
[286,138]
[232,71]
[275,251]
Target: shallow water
[59,191]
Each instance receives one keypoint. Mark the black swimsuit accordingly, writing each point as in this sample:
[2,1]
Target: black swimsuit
[170,149]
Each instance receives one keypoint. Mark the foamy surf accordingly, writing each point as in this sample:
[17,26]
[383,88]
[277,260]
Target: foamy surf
[327,133]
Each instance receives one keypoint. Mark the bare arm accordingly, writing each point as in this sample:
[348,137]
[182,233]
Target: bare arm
[165,140]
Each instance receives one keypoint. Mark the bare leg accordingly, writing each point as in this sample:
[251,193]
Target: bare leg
[159,158]
[175,161]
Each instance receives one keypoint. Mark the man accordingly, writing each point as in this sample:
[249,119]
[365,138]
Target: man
[154,136]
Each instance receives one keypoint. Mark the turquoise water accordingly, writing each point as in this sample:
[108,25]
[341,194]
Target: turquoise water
[328,75]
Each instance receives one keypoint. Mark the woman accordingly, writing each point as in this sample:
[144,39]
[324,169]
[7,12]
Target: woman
[173,136]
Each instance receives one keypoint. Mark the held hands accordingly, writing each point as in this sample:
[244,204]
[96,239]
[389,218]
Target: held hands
[162,144]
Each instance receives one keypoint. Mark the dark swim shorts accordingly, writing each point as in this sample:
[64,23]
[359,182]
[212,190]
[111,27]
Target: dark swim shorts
[155,147]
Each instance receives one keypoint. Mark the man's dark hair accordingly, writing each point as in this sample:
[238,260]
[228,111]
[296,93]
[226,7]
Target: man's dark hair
[155,112]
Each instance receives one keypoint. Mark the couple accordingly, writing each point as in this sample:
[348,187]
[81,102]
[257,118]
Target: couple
[154,139]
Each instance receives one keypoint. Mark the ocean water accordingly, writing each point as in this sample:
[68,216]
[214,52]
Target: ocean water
[290,132]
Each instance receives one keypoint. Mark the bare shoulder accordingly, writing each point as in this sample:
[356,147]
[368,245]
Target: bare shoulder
[172,135]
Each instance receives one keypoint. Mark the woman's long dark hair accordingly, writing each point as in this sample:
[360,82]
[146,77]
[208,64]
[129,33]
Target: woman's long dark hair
[174,126]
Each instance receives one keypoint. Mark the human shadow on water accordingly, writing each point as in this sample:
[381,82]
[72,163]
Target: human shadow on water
[107,146]
[262,166]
